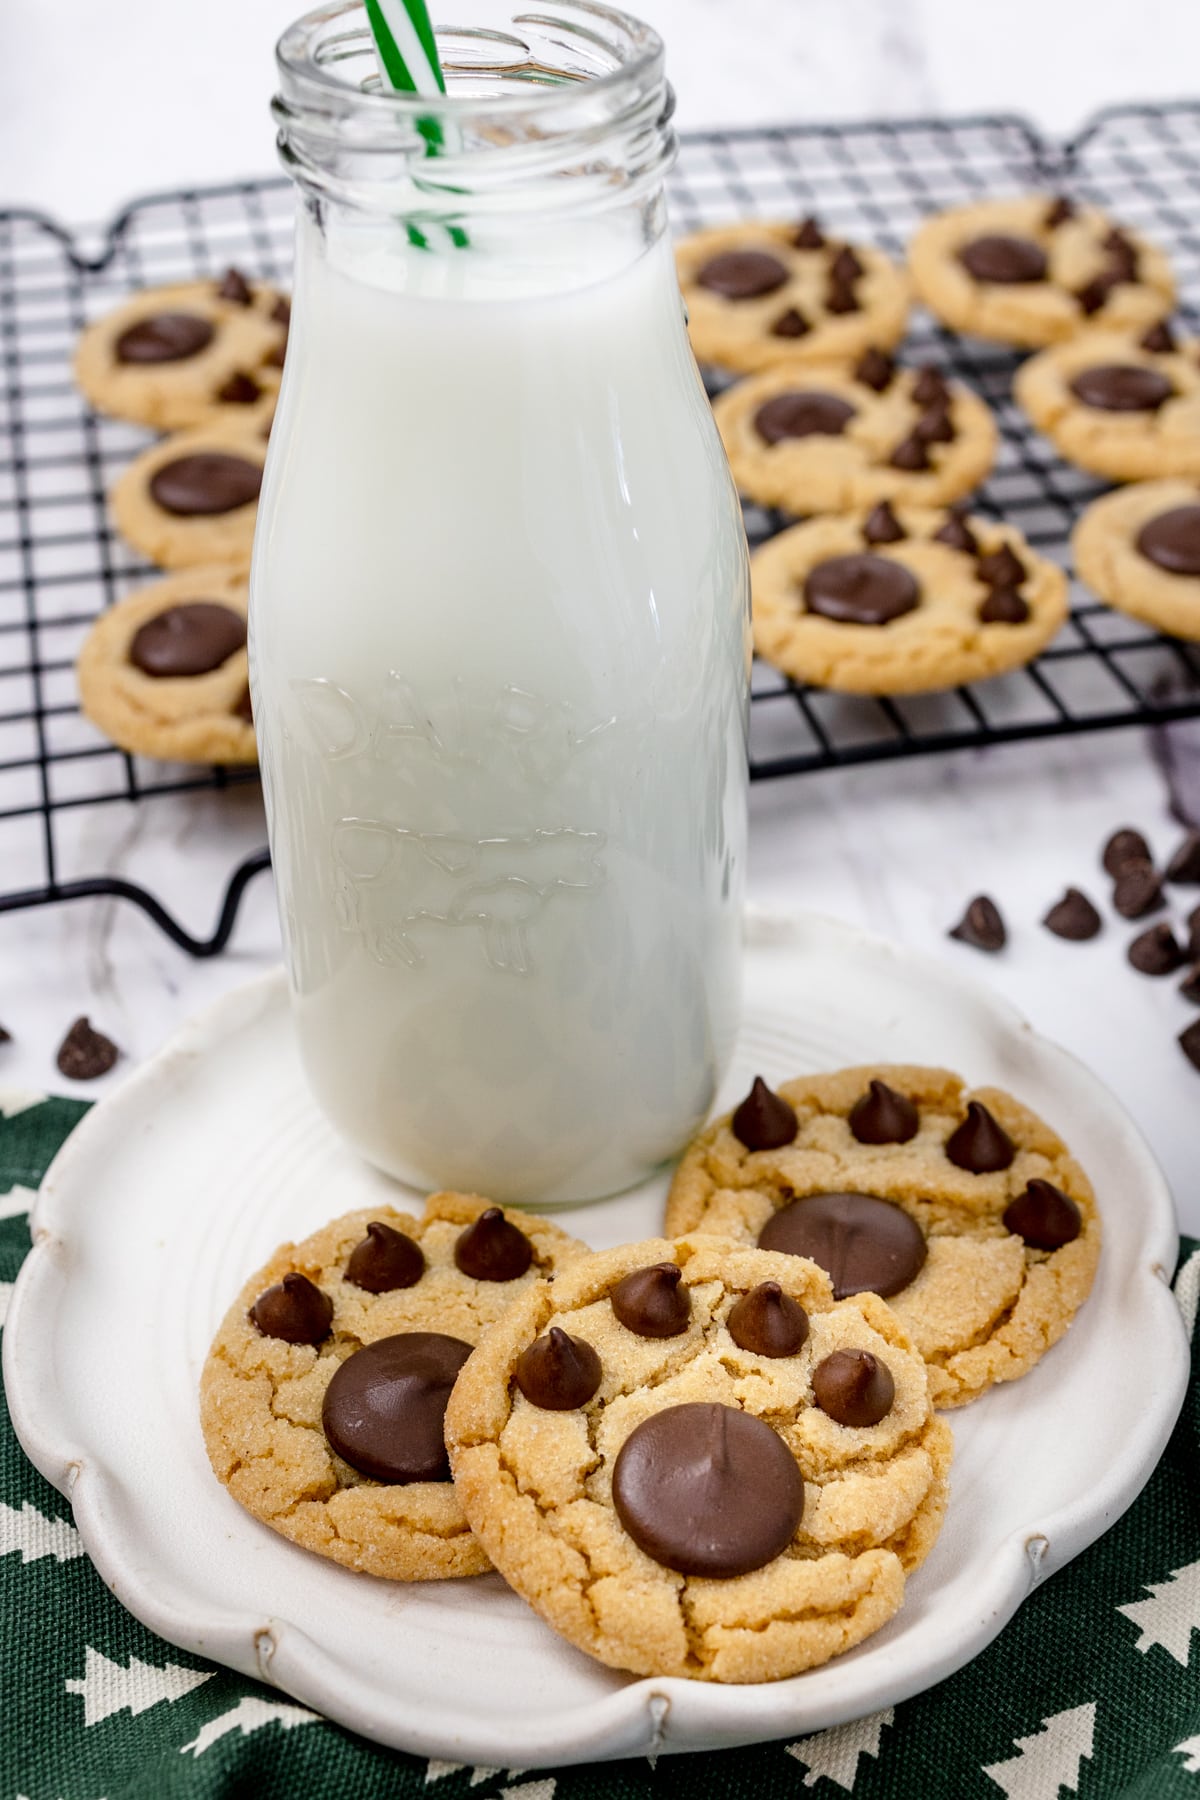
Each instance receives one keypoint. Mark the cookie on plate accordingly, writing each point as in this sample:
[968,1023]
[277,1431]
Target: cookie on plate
[759,294]
[838,437]
[172,357]
[902,600]
[322,1397]
[193,498]
[1139,550]
[959,1206]
[163,672]
[1036,269]
[691,1460]
[1125,405]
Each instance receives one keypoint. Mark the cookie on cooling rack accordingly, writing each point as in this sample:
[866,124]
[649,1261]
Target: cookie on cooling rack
[691,1460]
[1036,269]
[1138,549]
[843,436]
[765,293]
[959,1206]
[172,357]
[902,600]
[322,1397]
[193,497]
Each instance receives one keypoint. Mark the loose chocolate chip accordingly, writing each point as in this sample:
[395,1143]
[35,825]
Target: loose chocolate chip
[956,534]
[558,1372]
[492,1248]
[281,312]
[385,1408]
[653,1302]
[840,297]
[1184,866]
[205,483]
[1137,890]
[980,1144]
[1156,951]
[764,1120]
[1094,294]
[875,369]
[981,925]
[809,235]
[707,1490]
[385,1260]
[862,589]
[164,338]
[1172,540]
[929,388]
[241,707]
[1004,606]
[742,274]
[1073,917]
[1193,927]
[882,526]
[882,1116]
[85,1054]
[768,1322]
[235,287]
[935,426]
[1044,1216]
[1002,568]
[852,1387]
[791,324]
[1004,260]
[1125,846]
[1189,1042]
[239,390]
[1159,339]
[846,267]
[805,413]
[5,1036]
[865,1245]
[1058,212]
[295,1310]
[911,454]
[189,639]
[1189,987]
[1121,387]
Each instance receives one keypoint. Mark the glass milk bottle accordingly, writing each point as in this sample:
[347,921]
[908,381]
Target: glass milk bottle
[499,618]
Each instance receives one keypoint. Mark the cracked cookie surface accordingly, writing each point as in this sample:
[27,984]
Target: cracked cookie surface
[538,1484]
[984,1305]
[1116,407]
[261,1397]
[1139,550]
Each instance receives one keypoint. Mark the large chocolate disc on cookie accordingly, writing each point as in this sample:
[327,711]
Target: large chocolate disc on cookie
[1172,540]
[742,274]
[1121,387]
[190,639]
[384,1408]
[1002,259]
[865,1245]
[205,483]
[861,589]
[808,413]
[164,338]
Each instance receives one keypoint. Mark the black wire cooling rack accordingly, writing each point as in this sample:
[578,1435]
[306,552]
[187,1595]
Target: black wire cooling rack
[61,564]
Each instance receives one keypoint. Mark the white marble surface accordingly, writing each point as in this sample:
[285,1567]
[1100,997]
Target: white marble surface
[143,102]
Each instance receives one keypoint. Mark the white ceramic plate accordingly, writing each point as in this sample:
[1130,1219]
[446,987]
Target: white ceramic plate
[177,1186]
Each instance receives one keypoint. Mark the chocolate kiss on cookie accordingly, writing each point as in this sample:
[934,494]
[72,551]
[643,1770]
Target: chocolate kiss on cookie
[384,1409]
[881,525]
[768,1322]
[979,1144]
[883,1116]
[652,1303]
[860,589]
[742,274]
[295,1310]
[1044,1216]
[385,1260]
[1172,540]
[956,534]
[1003,260]
[865,1245]
[852,1387]
[707,1490]
[164,338]
[806,413]
[492,1249]
[190,639]
[1003,606]
[558,1372]
[764,1120]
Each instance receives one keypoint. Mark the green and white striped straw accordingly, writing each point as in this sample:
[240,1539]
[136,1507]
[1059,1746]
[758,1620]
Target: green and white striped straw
[408,61]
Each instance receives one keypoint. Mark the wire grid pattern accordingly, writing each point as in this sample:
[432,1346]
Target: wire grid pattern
[61,563]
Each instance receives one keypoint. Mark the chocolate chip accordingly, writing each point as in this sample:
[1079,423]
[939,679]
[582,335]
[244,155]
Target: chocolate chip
[882,1116]
[852,1387]
[295,1310]
[274,358]
[1044,1216]
[911,454]
[742,274]
[1125,846]
[281,312]
[5,1036]
[239,390]
[1121,254]
[846,267]
[1184,866]
[929,387]
[385,1260]
[1159,339]
[241,706]
[653,1302]
[768,1322]
[862,589]
[1156,951]
[1137,890]
[558,1372]
[1193,928]
[1189,987]
[205,483]
[791,324]
[1094,294]
[809,235]
[981,925]
[882,526]
[1058,212]
[805,413]
[865,1245]
[1004,606]
[164,338]
[85,1054]
[1189,1042]
[1073,917]
[956,534]
[192,638]
[1003,260]
[764,1120]
[840,297]
[385,1407]
[1001,568]
[492,1248]
[980,1144]
[1171,540]
[707,1490]
[235,287]
[876,370]
[935,426]
[1121,387]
